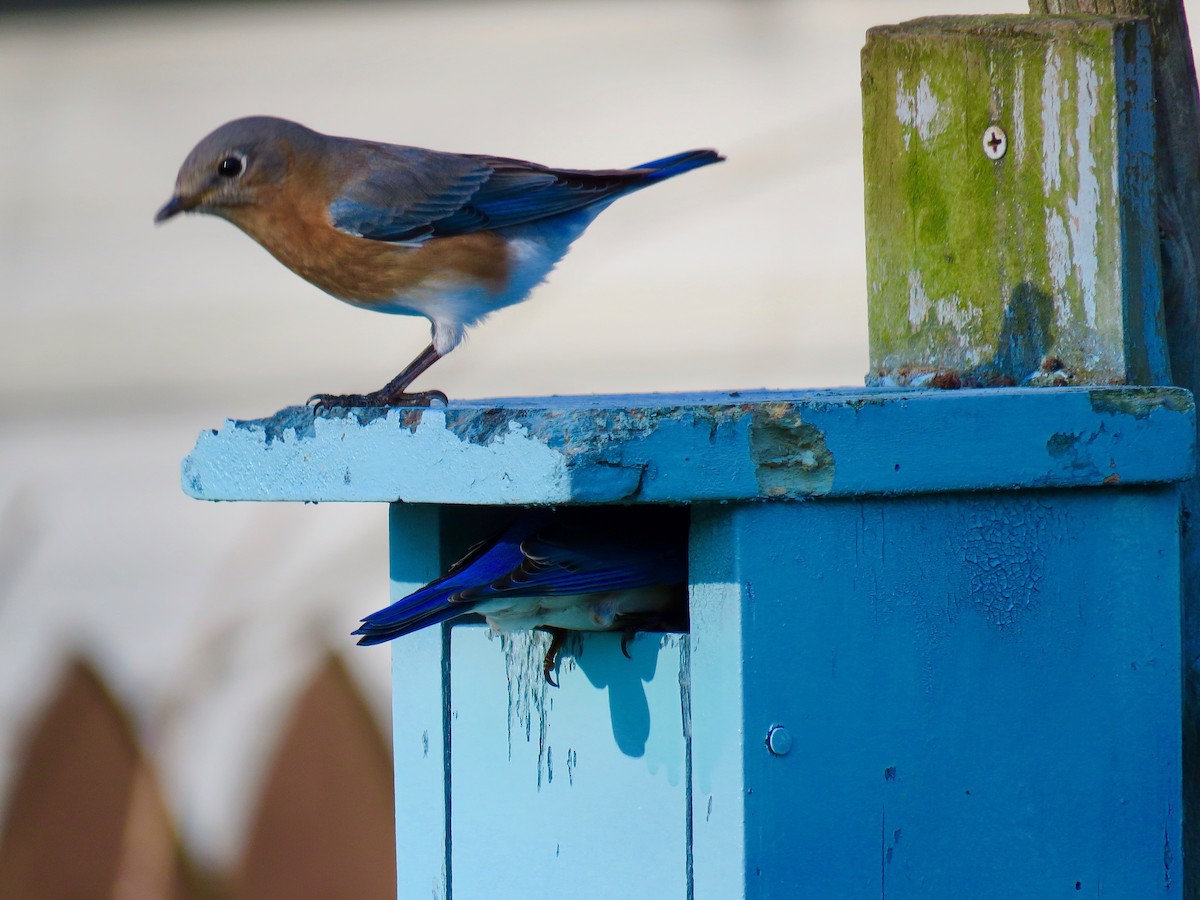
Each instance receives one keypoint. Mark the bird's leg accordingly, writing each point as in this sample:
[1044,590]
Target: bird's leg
[394,393]
[557,637]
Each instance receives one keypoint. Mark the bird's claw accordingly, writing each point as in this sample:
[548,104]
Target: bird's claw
[331,401]
[550,661]
[626,637]
[326,402]
[426,398]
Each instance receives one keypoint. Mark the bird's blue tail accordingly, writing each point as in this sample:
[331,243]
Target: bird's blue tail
[670,166]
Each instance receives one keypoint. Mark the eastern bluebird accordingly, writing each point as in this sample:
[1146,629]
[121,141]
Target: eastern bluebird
[449,236]
[566,570]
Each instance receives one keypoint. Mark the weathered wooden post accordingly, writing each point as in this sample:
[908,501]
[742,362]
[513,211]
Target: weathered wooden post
[934,645]
[1177,151]
[1011,231]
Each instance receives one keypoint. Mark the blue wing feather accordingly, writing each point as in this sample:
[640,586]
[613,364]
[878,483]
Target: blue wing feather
[539,556]
[410,195]
[592,564]
[442,599]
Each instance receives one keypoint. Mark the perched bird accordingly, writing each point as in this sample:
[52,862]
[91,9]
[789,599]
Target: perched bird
[561,571]
[449,236]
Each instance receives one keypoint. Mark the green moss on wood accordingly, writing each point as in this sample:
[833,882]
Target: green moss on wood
[1017,269]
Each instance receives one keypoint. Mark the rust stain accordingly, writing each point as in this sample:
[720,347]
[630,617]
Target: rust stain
[947,381]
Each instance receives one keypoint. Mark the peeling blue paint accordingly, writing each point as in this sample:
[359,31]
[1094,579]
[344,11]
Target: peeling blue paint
[680,448]
[1061,444]
[1074,451]
[299,420]
[1139,402]
[790,456]
[192,480]
[1004,556]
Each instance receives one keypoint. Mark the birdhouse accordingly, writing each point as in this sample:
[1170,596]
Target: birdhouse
[918,619]
[933,642]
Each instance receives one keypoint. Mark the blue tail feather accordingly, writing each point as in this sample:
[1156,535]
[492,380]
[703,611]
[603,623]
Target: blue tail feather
[678,163]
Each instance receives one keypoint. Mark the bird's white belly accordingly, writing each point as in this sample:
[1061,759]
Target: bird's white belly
[453,304]
[575,612]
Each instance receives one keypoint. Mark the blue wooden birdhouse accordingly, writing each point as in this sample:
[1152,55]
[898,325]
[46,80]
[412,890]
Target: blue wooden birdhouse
[919,619]
[933,643]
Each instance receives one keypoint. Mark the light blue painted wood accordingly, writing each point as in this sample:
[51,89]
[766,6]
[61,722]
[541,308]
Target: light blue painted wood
[716,706]
[419,691]
[688,448]
[577,792]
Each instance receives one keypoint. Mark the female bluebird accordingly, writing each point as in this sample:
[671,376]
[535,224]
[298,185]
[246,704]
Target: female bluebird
[605,569]
[449,236]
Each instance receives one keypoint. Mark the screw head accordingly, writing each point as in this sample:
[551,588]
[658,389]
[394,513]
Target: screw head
[995,142]
[779,741]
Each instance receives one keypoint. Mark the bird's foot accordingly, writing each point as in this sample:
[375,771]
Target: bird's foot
[626,636]
[376,399]
[550,662]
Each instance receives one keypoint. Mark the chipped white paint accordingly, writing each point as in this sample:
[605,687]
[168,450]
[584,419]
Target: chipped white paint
[918,110]
[1072,236]
[952,311]
[1053,91]
[1059,252]
[1017,117]
[1058,258]
[1084,208]
[1058,245]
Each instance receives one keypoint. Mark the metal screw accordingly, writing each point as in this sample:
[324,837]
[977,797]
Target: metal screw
[779,742]
[995,142]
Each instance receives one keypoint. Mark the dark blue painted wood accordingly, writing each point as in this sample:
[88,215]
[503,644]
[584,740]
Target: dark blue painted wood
[982,694]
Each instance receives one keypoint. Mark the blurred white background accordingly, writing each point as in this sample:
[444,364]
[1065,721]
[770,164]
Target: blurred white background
[120,341]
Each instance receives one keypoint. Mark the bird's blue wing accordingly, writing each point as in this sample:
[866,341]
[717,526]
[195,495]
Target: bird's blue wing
[594,563]
[411,195]
[398,193]
[445,598]
[520,192]
[545,554]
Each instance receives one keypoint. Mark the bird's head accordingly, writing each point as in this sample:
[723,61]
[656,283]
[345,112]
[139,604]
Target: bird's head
[235,166]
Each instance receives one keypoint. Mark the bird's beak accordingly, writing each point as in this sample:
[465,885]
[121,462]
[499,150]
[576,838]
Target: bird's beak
[173,206]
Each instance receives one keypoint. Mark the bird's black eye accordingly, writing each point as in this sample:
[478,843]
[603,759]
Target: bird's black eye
[229,167]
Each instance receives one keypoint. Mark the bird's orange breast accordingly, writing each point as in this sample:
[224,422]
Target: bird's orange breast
[294,227]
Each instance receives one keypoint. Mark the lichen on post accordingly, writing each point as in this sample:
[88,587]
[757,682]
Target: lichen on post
[1010,202]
